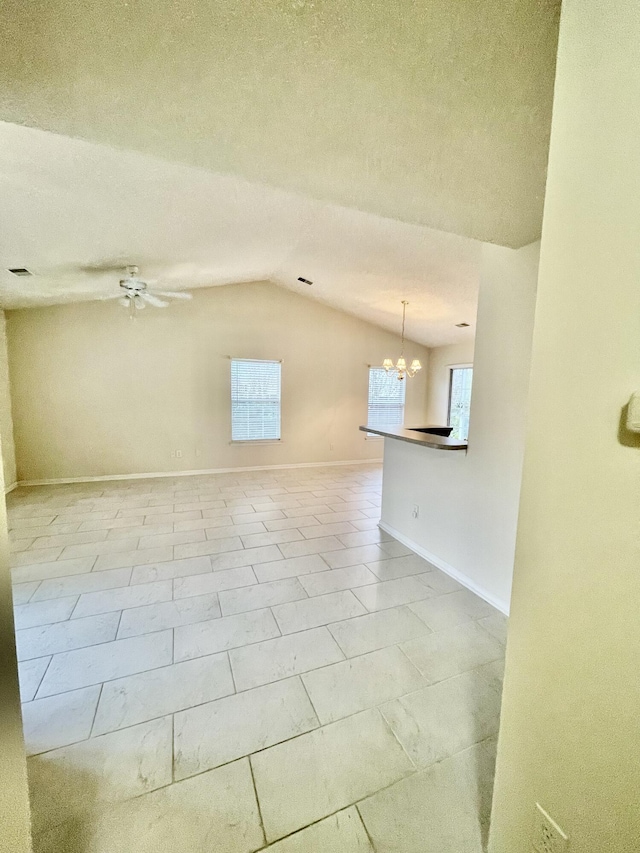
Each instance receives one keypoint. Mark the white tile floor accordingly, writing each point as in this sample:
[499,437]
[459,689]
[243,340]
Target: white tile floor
[244,661]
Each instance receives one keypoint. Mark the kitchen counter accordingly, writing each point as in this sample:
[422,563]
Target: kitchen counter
[436,437]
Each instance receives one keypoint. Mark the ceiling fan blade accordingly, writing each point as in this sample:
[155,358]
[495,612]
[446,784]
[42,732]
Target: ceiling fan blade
[111,296]
[153,300]
[123,300]
[175,294]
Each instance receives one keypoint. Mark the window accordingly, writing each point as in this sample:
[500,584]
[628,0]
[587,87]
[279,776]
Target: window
[460,401]
[386,398]
[255,400]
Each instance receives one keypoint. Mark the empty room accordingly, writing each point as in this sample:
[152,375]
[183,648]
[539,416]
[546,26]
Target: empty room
[319,426]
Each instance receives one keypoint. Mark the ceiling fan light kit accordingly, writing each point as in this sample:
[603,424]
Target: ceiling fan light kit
[135,295]
[401,365]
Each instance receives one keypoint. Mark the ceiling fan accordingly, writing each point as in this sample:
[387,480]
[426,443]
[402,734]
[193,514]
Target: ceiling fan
[135,295]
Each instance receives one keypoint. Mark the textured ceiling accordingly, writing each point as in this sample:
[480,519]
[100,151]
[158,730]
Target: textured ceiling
[433,112]
[69,207]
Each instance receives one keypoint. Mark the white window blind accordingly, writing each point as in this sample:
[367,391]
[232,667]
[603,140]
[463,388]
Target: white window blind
[386,398]
[255,400]
[460,401]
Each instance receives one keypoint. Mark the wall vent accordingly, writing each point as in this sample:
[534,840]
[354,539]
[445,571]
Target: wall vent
[461,325]
[20,271]
[304,280]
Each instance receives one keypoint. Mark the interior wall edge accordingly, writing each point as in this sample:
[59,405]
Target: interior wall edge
[9,463]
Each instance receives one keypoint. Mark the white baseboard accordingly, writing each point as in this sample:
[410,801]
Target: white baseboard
[10,488]
[198,472]
[463,579]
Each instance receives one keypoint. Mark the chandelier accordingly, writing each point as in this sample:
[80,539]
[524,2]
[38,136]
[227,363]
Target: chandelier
[401,364]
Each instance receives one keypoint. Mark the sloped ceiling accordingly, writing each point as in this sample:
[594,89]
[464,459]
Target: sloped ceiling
[72,208]
[431,112]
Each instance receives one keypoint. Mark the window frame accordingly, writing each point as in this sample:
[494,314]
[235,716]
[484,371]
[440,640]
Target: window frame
[252,441]
[451,368]
[371,436]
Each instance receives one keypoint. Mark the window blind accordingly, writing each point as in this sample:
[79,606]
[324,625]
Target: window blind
[386,398]
[460,401]
[255,399]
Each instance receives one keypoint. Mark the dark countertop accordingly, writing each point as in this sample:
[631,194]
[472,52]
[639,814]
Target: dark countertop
[437,437]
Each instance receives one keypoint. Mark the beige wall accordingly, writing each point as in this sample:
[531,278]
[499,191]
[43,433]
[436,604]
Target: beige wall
[96,394]
[440,361]
[14,805]
[15,832]
[570,718]
[469,501]
[6,420]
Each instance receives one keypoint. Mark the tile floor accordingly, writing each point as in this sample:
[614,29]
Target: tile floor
[243,662]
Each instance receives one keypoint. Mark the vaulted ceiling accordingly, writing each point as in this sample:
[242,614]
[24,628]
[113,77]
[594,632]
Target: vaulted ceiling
[75,213]
[366,144]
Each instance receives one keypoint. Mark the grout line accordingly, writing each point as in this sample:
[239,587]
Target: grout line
[356,806]
[304,686]
[35,695]
[415,666]
[95,713]
[233,678]
[276,623]
[393,733]
[119,623]
[70,616]
[255,791]
[28,601]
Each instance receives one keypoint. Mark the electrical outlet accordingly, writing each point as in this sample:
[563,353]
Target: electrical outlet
[176,454]
[415,512]
[547,835]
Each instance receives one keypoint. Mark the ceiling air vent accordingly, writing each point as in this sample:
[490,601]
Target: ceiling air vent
[304,280]
[20,271]
[461,325]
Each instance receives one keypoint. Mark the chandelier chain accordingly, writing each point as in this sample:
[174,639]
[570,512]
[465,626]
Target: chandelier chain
[404,314]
